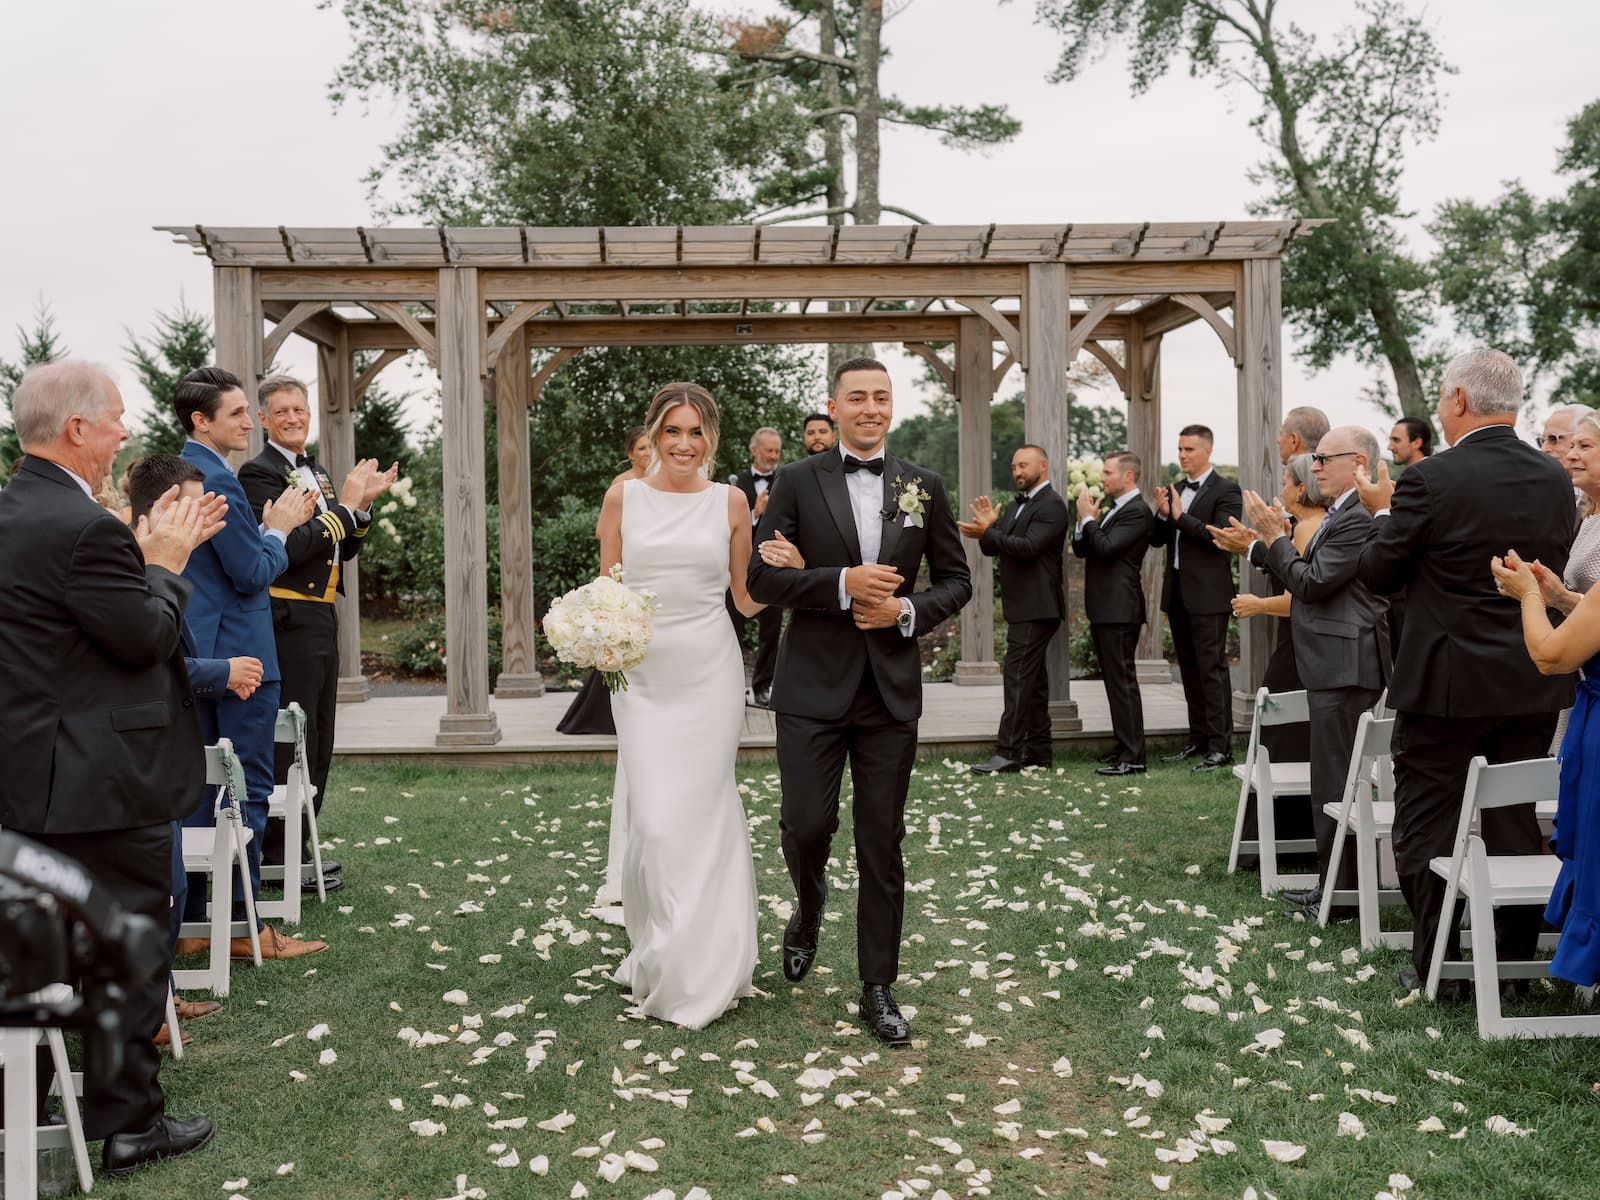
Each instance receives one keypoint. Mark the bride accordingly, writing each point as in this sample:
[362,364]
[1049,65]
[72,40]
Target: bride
[688,881]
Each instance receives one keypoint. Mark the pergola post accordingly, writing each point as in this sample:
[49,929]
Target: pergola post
[975,393]
[1142,387]
[237,313]
[1258,318]
[519,672]
[468,719]
[1046,303]
[336,426]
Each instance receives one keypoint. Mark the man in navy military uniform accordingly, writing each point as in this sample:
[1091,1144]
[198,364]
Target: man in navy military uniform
[304,623]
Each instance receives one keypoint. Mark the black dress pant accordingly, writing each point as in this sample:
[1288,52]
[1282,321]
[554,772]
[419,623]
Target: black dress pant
[1431,758]
[811,759]
[1116,647]
[1200,644]
[1335,713]
[307,634]
[1025,724]
[769,629]
[135,868]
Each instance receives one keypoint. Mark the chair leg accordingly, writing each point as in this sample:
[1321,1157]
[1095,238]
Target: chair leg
[293,813]
[174,1033]
[1238,820]
[1367,886]
[69,1105]
[221,908]
[239,843]
[1334,859]
[316,851]
[21,1132]
[1441,937]
[1485,961]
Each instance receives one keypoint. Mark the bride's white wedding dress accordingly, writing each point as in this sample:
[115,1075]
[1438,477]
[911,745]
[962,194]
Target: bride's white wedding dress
[688,881]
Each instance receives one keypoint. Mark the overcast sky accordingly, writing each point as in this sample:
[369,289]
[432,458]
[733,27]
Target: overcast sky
[123,116]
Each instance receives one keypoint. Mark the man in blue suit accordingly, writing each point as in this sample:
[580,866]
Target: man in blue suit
[230,614]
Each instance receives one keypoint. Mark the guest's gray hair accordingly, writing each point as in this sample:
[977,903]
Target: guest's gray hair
[1491,380]
[273,384]
[1575,411]
[761,433]
[1586,416]
[1367,444]
[1299,470]
[1310,423]
[51,394]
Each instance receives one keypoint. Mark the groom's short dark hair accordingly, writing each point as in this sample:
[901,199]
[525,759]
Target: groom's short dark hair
[856,364]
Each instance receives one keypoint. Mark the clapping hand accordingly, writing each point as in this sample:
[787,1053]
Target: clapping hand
[1248,605]
[366,483]
[175,525]
[1268,521]
[1376,494]
[1169,504]
[1088,506]
[290,511]
[1235,539]
[779,551]
[984,514]
[1513,577]
[1553,589]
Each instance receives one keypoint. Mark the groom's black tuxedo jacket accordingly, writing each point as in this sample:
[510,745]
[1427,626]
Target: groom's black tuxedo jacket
[823,655]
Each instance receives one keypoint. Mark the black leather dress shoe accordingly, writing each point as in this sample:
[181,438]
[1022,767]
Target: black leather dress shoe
[800,945]
[881,1015]
[998,765]
[1451,991]
[330,883]
[1121,768]
[1307,898]
[167,1138]
[330,867]
[1214,760]
[1188,751]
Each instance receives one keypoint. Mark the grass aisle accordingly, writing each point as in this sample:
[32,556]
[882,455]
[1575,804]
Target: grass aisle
[476,1049]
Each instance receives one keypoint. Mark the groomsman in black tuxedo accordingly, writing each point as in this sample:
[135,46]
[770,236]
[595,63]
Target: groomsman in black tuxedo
[766,451]
[1112,546]
[1463,682]
[304,625]
[1197,594]
[1028,542]
[849,682]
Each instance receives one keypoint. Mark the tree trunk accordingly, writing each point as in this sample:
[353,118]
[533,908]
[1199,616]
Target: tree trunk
[869,108]
[833,156]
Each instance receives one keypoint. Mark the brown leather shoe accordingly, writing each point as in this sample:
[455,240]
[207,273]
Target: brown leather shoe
[275,945]
[193,945]
[193,1010]
[164,1037]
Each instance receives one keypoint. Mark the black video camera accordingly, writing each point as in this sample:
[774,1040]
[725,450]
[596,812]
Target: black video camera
[58,926]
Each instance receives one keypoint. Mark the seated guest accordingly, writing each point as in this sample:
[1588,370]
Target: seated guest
[100,743]
[148,480]
[1573,646]
[1341,643]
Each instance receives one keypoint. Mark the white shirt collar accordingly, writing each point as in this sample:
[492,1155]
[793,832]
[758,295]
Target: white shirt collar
[284,450]
[844,454]
[1343,496]
[1036,489]
[77,479]
[1199,483]
[1126,496]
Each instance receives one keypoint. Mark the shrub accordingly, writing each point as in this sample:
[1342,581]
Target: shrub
[418,649]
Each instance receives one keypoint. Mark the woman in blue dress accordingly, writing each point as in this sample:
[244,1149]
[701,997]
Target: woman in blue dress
[1573,646]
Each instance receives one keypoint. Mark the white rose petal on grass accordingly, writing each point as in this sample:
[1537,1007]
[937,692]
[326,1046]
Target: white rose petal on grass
[427,1128]
[1350,1126]
[1430,1125]
[235,1185]
[1505,1127]
[285,1168]
[539,1165]
[559,1123]
[455,996]
[327,1058]
[1283,1152]
[1162,1182]
[1094,1159]
[317,1032]
[1062,1067]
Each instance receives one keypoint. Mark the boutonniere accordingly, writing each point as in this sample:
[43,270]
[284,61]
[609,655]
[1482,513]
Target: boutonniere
[907,499]
[292,476]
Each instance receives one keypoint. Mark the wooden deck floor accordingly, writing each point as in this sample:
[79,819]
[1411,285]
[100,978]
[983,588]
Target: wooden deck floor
[956,720]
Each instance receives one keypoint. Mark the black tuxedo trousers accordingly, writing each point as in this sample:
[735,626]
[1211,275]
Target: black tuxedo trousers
[811,759]
[1200,644]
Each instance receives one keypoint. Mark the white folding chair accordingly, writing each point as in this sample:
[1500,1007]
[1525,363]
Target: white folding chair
[24,1139]
[215,852]
[1491,881]
[293,802]
[1271,780]
[174,1031]
[1372,821]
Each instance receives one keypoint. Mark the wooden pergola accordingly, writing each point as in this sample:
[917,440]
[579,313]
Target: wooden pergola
[498,310]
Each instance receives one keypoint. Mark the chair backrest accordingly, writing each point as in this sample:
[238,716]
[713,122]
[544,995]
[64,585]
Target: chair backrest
[225,772]
[291,725]
[1526,782]
[1282,708]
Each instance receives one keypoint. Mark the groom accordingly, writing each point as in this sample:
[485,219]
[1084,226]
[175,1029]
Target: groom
[849,678]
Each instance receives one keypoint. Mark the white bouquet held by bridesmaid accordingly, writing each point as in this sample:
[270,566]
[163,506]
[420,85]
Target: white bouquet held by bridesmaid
[603,625]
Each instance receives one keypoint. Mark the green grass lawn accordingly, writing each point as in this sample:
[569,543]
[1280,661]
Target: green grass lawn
[1051,920]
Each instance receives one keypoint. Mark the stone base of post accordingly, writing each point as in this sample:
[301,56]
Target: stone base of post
[1153,670]
[353,689]
[977,674]
[1064,717]
[518,687]
[468,729]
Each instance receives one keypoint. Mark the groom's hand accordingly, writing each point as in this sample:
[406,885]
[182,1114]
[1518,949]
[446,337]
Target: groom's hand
[871,583]
[882,615]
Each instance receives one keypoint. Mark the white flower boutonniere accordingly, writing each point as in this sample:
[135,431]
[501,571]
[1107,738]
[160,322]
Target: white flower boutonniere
[292,476]
[908,498]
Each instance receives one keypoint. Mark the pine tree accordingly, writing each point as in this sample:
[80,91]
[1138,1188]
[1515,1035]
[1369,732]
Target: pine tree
[36,347]
[181,341]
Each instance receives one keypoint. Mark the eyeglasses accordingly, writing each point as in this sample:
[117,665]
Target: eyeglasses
[1554,439]
[1323,460]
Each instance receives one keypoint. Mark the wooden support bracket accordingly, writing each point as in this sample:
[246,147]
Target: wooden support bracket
[401,316]
[1083,327]
[551,365]
[1008,332]
[300,312]
[1200,306]
[514,321]
[926,352]
[364,380]
[1000,369]
[1119,372]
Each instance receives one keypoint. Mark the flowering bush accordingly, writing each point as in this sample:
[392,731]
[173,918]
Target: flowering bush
[602,625]
[1083,475]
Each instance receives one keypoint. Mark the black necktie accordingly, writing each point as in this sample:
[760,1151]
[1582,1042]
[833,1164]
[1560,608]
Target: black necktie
[852,464]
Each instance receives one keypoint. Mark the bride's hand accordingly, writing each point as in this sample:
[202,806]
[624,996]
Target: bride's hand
[779,551]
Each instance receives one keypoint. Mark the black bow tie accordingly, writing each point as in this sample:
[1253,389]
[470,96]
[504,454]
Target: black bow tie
[759,475]
[853,464]
[1022,497]
[300,460]
[1187,485]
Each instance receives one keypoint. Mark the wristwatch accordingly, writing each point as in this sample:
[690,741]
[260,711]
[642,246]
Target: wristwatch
[904,620]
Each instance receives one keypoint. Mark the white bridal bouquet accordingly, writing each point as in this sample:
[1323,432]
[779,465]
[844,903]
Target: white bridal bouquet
[603,625]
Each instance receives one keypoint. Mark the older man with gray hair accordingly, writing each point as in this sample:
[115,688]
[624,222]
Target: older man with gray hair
[766,451]
[1302,430]
[1463,683]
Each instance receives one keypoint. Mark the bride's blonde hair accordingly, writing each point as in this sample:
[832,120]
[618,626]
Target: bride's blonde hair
[697,398]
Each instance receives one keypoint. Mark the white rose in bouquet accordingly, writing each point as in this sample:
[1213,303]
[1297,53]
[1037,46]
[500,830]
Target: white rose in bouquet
[603,625]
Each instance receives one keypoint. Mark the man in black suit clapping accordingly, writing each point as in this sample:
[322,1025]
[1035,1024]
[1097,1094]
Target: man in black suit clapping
[1028,543]
[1112,547]
[1197,594]
[766,451]
[1463,683]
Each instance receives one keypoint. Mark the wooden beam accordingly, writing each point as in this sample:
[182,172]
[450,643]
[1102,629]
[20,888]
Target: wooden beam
[1045,308]
[421,336]
[1000,369]
[974,376]
[336,435]
[374,369]
[770,282]
[468,719]
[508,326]
[1014,338]
[287,324]
[321,328]
[1212,318]
[1118,371]
[519,670]
[931,356]
[1079,330]
[1259,320]
[351,283]
[237,315]
[1144,439]
[1146,278]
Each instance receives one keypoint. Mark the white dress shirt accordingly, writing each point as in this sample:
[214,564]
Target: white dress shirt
[77,479]
[866,504]
[760,484]
[308,481]
[1177,539]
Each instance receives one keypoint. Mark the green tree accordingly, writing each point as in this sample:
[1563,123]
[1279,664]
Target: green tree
[34,347]
[1337,120]
[1523,273]
[381,428]
[180,341]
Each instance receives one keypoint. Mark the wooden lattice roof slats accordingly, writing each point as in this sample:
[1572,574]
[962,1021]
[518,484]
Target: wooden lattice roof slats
[734,245]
